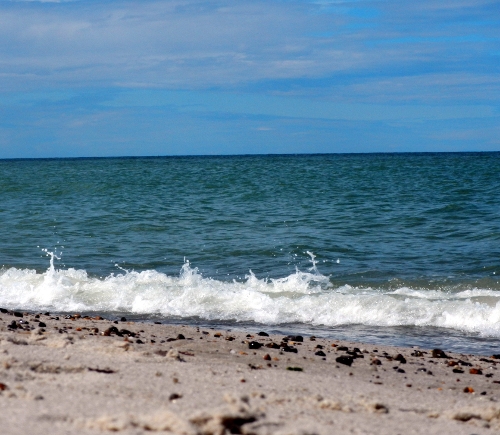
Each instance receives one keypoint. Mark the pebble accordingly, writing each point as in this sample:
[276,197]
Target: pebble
[345,359]
[267,357]
[320,353]
[400,358]
[263,334]
[438,353]
[254,345]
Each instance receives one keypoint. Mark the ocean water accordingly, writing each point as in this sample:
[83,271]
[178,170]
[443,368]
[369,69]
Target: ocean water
[388,248]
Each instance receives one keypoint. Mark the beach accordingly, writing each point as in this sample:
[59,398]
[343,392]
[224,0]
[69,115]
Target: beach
[64,374]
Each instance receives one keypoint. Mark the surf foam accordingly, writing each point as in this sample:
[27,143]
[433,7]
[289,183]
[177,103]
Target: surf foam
[302,297]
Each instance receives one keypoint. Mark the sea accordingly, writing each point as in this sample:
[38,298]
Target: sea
[400,249]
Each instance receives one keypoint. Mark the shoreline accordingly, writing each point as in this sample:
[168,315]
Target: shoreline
[62,373]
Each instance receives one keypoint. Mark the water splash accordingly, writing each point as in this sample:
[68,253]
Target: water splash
[301,297]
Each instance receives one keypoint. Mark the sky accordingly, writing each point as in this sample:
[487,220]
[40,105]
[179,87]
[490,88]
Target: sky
[97,78]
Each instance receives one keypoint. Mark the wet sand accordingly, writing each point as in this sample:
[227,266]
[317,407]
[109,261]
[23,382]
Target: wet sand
[63,375]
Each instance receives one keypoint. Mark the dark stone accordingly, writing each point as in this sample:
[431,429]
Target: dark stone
[438,353]
[400,358]
[46,314]
[458,371]
[172,339]
[3,310]
[139,341]
[112,330]
[287,348]
[344,348]
[401,371]
[355,354]
[320,353]
[295,369]
[13,325]
[318,346]
[345,359]
[180,337]
[116,322]
[254,345]
[272,345]
[127,332]
[174,396]
[417,353]
[263,334]
[356,350]
[123,319]
[106,371]
[464,363]
[17,314]
[42,325]
[497,356]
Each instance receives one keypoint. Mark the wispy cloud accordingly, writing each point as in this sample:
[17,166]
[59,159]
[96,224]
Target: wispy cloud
[337,60]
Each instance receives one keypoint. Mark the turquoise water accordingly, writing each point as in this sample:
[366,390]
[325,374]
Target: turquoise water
[402,248]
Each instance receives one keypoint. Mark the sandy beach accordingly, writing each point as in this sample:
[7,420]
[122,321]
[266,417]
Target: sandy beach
[64,374]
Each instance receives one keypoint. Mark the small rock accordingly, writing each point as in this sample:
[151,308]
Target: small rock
[123,319]
[400,358]
[267,357]
[343,348]
[17,314]
[475,372]
[295,369]
[320,353]
[263,334]
[376,362]
[42,325]
[174,396]
[180,337]
[438,353]
[287,348]
[254,345]
[468,390]
[345,359]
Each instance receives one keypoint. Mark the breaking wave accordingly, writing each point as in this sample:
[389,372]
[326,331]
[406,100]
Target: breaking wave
[302,297]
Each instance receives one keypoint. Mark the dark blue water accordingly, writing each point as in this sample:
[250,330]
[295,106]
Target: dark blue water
[399,240]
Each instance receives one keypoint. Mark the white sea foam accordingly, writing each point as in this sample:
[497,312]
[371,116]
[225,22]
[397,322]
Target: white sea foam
[302,297]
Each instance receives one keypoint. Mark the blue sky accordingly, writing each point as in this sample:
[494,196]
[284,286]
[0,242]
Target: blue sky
[127,78]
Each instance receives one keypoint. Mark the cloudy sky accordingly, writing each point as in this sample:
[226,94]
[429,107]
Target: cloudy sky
[127,78]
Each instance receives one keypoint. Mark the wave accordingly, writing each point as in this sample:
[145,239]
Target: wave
[302,297]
